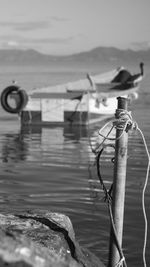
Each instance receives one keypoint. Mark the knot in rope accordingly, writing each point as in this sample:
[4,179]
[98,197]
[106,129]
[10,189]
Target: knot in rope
[124,120]
[120,263]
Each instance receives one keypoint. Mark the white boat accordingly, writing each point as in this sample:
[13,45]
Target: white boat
[79,103]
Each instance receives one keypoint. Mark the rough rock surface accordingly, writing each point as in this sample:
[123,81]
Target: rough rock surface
[41,241]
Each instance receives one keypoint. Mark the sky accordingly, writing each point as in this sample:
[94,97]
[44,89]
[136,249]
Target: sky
[70,26]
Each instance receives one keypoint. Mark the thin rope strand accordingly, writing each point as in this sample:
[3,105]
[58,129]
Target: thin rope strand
[143,199]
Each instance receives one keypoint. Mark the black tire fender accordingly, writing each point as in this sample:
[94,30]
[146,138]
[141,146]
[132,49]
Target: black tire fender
[22,99]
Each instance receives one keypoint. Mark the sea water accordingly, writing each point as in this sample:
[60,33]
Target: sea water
[53,169]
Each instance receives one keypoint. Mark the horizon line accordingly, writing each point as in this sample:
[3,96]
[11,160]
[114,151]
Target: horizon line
[75,53]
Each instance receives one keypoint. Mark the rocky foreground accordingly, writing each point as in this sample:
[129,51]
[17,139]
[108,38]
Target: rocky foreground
[41,241]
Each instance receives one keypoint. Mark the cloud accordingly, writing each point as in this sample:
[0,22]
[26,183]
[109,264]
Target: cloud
[141,45]
[20,42]
[13,44]
[56,40]
[26,26]
[32,25]
[10,45]
[59,19]
[9,41]
[7,37]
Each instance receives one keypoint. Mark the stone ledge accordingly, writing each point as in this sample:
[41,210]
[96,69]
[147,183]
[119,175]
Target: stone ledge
[41,240]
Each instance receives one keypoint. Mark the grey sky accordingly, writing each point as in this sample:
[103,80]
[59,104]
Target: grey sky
[70,26]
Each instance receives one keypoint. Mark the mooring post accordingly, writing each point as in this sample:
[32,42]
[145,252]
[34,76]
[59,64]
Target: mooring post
[119,182]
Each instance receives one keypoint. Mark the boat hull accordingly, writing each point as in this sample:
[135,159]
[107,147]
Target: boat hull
[62,110]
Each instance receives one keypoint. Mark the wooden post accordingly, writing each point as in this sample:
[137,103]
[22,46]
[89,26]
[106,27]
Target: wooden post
[118,187]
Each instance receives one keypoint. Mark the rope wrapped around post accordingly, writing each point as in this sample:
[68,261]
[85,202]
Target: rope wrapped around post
[124,120]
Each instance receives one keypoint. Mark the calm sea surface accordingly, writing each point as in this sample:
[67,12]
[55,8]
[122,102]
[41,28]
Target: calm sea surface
[52,169]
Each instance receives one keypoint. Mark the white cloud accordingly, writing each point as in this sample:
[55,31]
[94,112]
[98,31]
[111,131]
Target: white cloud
[13,44]
[141,45]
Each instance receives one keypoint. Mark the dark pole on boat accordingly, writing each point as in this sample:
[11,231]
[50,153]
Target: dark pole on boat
[118,187]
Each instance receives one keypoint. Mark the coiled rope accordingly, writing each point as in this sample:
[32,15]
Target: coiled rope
[123,122]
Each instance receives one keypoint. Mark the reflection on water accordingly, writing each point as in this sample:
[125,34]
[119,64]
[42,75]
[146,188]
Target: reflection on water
[53,169]
[14,148]
[18,146]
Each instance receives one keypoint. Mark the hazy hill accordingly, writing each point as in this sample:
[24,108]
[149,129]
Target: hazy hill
[97,55]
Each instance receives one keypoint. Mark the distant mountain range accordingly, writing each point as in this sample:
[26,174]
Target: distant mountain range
[97,55]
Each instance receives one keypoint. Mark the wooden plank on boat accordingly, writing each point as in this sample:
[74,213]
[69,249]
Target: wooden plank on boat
[33,104]
[114,92]
[52,110]
[81,85]
[52,95]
